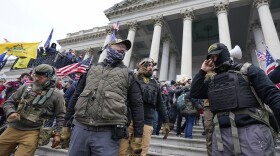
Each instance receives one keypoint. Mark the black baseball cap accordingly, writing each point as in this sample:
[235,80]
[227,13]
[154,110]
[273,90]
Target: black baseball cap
[216,48]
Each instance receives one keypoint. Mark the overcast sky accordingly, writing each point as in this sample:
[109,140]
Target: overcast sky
[32,20]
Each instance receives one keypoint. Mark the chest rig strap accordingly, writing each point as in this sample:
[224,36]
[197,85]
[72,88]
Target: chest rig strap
[40,99]
[234,133]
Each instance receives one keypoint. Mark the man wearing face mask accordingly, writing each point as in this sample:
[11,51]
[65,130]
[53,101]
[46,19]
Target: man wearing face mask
[152,100]
[235,93]
[101,100]
[27,110]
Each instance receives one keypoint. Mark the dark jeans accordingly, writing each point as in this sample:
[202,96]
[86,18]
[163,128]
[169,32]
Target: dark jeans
[157,123]
[190,119]
[179,122]
[84,142]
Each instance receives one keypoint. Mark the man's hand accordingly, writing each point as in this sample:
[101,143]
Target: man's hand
[13,117]
[166,130]
[56,140]
[136,146]
[65,136]
[208,65]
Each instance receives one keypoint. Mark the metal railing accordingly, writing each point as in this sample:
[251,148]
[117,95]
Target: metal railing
[56,60]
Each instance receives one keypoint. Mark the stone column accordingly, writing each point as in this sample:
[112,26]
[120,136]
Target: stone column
[156,38]
[172,67]
[259,43]
[131,36]
[164,59]
[268,27]
[107,40]
[222,12]
[186,61]
[251,47]
[132,63]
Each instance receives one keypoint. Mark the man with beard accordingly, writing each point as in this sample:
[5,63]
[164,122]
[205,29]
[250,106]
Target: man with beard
[101,102]
[151,94]
[235,92]
[27,110]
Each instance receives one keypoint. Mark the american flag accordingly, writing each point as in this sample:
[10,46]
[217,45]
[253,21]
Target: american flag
[116,26]
[270,63]
[261,56]
[73,68]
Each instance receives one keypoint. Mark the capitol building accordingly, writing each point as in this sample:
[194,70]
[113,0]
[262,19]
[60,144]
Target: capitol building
[177,33]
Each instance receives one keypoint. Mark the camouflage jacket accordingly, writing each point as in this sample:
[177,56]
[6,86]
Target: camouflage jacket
[53,106]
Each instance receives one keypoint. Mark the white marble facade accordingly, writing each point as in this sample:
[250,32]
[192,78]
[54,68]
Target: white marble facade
[177,33]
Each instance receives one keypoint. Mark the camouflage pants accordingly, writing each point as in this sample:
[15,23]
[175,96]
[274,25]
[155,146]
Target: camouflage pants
[208,125]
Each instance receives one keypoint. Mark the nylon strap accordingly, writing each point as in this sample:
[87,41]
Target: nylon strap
[37,98]
[46,96]
[234,133]
[218,134]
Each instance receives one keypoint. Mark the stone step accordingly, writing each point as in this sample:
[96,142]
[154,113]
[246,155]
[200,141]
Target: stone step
[48,151]
[196,135]
[172,150]
[183,147]
[194,127]
[179,141]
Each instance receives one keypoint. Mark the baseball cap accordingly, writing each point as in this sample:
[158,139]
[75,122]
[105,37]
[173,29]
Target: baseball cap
[216,48]
[145,60]
[127,43]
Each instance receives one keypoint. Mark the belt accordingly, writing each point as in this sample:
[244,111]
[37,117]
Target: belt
[98,128]
[238,111]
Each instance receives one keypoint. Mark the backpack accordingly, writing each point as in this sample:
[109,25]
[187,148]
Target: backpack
[187,105]
[181,102]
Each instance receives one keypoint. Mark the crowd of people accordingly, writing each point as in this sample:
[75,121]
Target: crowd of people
[112,110]
[50,55]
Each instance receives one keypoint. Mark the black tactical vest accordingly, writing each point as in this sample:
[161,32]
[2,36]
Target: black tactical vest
[149,92]
[229,91]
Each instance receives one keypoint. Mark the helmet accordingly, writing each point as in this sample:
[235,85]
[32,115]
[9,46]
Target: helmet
[45,69]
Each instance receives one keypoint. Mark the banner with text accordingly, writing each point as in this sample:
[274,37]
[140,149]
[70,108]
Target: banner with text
[20,49]
[22,63]
[181,78]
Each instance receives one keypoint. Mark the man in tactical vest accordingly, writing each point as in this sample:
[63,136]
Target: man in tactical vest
[101,102]
[151,94]
[26,111]
[236,93]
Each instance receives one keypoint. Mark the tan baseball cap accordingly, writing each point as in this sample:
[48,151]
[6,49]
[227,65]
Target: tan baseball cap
[127,43]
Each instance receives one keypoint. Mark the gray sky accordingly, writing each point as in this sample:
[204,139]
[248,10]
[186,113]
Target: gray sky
[32,20]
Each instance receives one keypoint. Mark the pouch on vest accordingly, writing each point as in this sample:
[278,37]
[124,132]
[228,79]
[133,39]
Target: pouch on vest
[272,121]
[45,135]
[149,92]
[223,85]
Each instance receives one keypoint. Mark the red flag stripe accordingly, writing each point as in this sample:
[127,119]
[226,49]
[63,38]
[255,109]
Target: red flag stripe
[62,72]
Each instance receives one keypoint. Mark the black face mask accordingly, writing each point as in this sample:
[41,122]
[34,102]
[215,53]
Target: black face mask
[223,57]
[224,67]
[223,63]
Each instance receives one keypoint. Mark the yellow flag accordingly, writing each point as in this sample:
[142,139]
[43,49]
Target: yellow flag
[20,49]
[22,63]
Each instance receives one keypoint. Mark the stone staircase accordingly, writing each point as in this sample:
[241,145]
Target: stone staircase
[172,146]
